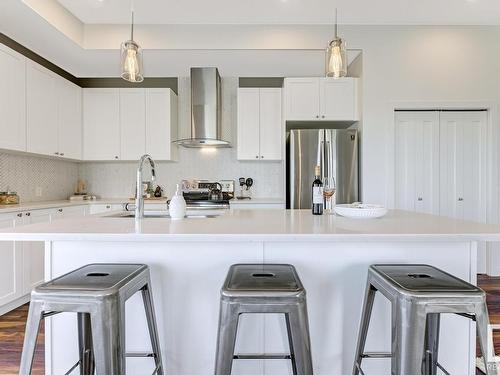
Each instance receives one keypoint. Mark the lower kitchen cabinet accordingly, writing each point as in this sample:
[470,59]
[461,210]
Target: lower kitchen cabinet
[33,252]
[11,263]
[102,208]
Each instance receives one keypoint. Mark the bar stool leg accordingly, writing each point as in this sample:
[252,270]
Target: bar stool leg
[298,336]
[228,326]
[431,344]
[364,325]
[487,348]
[410,332]
[30,337]
[147,298]
[108,335]
[87,366]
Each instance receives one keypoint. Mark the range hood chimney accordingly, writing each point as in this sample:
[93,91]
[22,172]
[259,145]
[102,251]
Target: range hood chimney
[206,110]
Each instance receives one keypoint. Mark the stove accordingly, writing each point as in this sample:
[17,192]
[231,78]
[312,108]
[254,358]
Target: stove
[207,194]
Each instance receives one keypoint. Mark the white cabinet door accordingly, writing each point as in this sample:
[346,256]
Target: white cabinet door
[417,161]
[271,135]
[161,123]
[302,99]
[68,212]
[34,252]
[69,119]
[132,124]
[463,162]
[11,273]
[12,100]
[103,208]
[41,109]
[101,124]
[338,99]
[248,124]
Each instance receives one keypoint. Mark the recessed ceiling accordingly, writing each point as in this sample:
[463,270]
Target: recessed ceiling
[354,12]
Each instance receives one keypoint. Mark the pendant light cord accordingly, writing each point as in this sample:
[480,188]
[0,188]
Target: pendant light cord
[132,25]
[336,25]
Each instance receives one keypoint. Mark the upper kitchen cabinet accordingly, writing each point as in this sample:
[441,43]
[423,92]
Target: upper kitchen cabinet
[132,124]
[13,100]
[124,124]
[259,124]
[101,124]
[41,110]
[69,121]
[161,123]
[321,99]
[54,117]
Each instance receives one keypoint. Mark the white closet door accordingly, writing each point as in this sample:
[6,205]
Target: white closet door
[463,161]
[417,161]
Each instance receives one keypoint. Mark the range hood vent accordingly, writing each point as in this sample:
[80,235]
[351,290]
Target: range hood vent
[206,110]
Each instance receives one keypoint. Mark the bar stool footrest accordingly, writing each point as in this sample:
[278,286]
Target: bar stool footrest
[140,355]
[376,355]
[262,356]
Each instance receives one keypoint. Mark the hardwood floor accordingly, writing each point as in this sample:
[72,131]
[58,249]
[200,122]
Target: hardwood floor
[12,327]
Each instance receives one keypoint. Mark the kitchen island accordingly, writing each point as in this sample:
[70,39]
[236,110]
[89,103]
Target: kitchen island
[189,260]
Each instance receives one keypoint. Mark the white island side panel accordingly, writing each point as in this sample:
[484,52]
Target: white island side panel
[187,277]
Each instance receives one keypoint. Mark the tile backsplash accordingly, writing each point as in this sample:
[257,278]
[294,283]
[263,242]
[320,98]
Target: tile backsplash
[54,179]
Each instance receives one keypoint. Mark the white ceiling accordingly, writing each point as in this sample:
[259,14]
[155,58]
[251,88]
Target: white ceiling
[354,12]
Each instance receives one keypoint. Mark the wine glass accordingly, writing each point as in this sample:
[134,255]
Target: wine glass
[329,189]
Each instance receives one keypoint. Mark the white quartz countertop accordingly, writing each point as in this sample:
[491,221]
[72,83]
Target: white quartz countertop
[259,225]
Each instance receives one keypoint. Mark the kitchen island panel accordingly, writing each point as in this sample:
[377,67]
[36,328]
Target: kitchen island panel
[187,277]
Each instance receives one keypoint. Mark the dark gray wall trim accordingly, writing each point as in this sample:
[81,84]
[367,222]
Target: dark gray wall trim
[150,82]
[4,39]
[261,81]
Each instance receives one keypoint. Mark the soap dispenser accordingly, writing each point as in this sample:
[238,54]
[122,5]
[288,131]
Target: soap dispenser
[177,207]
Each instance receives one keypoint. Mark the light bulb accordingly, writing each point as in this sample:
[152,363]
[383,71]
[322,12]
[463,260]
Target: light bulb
[131,65]
[336,62]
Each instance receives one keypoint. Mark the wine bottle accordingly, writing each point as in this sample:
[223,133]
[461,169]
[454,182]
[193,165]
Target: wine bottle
[317,192]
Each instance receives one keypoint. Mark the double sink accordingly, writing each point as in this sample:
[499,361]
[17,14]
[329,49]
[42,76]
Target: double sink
[202,214]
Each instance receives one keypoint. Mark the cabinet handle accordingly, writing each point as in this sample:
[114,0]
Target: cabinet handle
[56,153]
[420,198]
[317,116]
[262,157]
[60,210]
[323,116]
[108,207]
[62,154]
[28,213]
[257,156]
[19,215]
[460,199]
[116,157]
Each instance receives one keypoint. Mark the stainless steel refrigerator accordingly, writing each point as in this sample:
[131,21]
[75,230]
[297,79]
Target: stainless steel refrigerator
[335,150]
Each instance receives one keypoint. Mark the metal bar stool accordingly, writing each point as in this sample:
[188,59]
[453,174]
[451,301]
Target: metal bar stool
[97,293]
[269,288]
[418,295]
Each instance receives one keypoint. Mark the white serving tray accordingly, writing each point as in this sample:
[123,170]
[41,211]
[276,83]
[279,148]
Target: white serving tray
[360,210]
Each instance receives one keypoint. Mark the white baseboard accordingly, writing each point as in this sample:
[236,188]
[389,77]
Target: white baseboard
[14,304]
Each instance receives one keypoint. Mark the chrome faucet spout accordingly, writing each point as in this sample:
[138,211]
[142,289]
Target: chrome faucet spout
[139,195]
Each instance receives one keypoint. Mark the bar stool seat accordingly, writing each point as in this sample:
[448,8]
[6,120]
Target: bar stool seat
[264,288]
[418,294]
[97,293]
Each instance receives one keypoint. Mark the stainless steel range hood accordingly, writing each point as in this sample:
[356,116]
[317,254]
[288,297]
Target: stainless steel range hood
[206,110]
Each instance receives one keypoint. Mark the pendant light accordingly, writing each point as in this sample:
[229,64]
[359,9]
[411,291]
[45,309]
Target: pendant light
[336,57]
[131,58]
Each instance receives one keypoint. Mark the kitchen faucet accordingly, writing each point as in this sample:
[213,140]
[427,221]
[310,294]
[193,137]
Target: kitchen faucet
[139,195]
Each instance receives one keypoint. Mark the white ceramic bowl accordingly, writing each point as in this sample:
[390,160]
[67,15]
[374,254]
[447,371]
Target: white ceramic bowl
[360,211]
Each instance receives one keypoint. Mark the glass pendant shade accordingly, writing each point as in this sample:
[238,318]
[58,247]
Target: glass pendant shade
[336,59]
[131,61]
